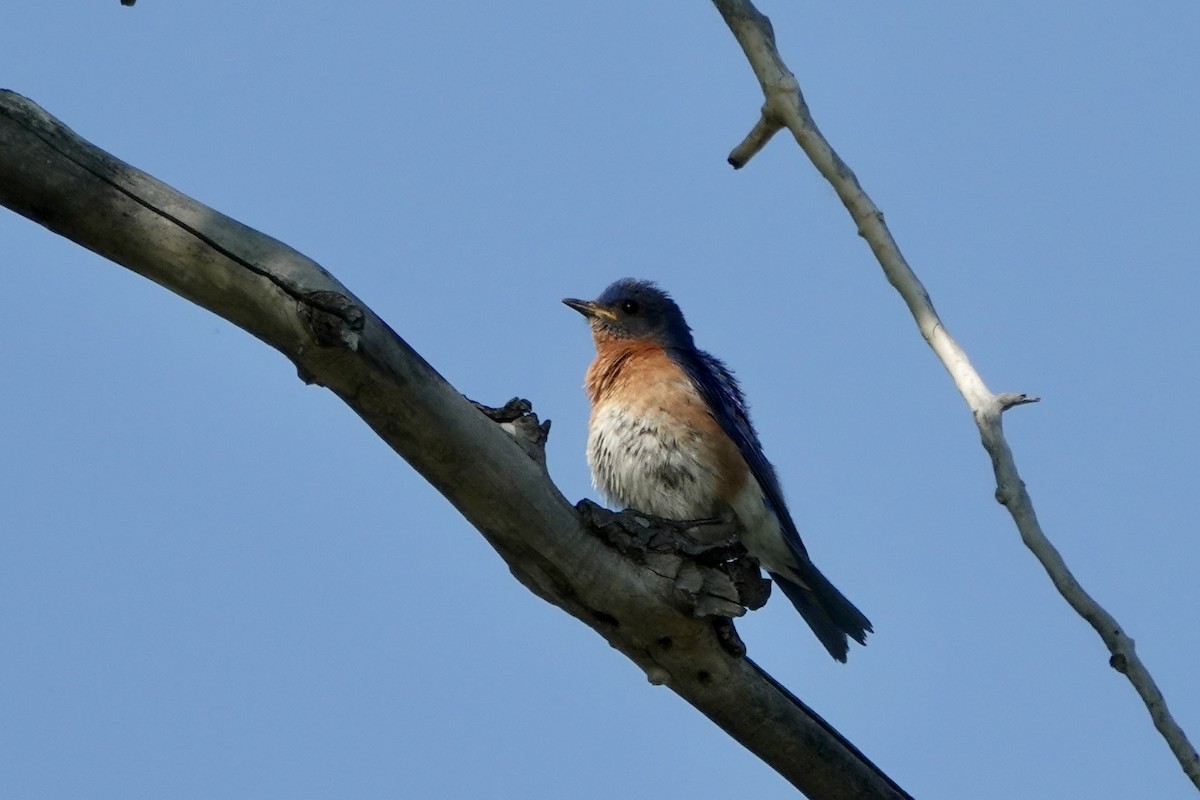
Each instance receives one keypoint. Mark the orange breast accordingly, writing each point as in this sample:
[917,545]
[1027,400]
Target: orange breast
[638,383]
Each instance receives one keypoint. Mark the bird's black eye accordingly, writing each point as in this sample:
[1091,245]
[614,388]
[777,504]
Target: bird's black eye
[630,306]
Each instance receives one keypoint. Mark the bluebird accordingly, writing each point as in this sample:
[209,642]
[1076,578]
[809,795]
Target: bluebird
[670,435]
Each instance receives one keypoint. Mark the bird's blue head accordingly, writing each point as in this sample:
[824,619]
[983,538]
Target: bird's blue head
[634,309]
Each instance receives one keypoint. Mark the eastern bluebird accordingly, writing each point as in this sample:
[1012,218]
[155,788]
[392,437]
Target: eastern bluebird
[670,435]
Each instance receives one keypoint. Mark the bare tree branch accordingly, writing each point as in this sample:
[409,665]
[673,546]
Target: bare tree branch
[666,607]
[785,107]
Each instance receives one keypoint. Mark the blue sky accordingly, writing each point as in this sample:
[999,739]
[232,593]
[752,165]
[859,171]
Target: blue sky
[216,582]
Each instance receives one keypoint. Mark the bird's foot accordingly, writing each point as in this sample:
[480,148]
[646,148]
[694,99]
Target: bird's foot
[720,578]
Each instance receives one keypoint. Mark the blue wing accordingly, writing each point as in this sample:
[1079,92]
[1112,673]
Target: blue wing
[827,611]
[720,390]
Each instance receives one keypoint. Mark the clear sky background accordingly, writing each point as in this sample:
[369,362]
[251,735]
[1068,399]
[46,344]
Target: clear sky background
[216,582]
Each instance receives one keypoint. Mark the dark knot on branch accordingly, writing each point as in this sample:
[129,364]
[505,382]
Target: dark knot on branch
[333,319]
[518,420]
[715,579]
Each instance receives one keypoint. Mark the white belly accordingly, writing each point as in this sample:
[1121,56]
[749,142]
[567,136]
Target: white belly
[637,462]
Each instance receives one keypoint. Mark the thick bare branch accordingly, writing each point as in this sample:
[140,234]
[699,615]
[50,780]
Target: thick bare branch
[785,106]
[653,611]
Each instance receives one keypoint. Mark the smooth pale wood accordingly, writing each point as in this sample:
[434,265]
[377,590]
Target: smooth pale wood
[784,107]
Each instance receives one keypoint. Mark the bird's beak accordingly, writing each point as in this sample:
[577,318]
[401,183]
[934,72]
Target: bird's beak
[590,309]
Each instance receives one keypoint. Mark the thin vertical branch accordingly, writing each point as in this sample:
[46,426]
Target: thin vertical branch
[785,107]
